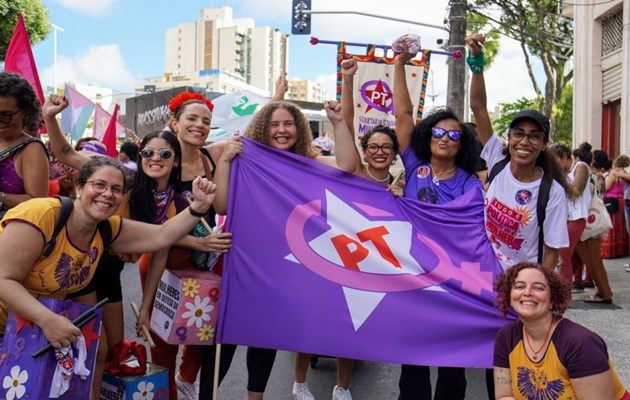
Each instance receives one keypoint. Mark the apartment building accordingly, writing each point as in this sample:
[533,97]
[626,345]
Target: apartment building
[218,41]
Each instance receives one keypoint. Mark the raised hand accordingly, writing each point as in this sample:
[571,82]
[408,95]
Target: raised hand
[333,111]
[54,104]
[348,69]
[475,43]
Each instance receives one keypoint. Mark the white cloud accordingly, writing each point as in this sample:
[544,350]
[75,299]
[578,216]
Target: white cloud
[99,65]
[93,8]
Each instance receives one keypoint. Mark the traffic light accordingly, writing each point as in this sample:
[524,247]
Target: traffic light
[301,21]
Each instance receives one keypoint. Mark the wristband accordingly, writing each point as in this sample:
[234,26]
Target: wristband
[195,213]
[476,64]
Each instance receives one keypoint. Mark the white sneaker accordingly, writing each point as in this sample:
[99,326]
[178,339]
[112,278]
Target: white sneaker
[301,392]
[341,394]
[188,389]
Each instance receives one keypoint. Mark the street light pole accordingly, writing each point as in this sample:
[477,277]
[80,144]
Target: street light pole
[456,91]
[55,28]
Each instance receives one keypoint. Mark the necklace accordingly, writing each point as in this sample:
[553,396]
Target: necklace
[376,179]
[535,356]
[436,179]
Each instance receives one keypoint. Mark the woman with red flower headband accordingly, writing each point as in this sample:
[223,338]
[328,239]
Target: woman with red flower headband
[190,122]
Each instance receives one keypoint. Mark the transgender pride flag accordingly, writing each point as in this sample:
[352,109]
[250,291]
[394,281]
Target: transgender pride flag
[75,117]
[325,262]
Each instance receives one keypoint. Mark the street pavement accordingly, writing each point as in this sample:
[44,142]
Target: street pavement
[379,381]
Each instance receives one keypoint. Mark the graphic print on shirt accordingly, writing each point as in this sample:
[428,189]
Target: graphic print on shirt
[533,384]
[70,271]
[504,222]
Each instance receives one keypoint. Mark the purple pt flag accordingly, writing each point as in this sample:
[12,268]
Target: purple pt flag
[325,262]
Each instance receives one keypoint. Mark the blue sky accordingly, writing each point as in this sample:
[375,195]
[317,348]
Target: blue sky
[116,43]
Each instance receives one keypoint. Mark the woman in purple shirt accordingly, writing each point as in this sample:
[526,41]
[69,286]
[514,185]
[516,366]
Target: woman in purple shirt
[23,164]
[440,156]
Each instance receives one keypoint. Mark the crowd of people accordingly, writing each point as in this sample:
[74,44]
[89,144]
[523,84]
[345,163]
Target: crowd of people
[150,199]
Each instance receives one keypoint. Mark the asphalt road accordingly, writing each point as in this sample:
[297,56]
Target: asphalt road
[379,381]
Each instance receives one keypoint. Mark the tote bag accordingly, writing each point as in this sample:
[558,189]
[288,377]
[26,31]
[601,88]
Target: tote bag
[598,221]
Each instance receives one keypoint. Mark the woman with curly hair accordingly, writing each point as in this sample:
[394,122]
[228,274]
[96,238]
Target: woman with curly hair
[542,354]
[282,126]
[440,158]
[439,153]
[23,158]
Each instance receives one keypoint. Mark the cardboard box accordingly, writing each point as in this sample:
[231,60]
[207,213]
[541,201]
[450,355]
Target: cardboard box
[152,385]
[186,307]
[34,376]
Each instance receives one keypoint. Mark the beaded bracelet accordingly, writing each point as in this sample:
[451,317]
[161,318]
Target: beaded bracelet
[476,64]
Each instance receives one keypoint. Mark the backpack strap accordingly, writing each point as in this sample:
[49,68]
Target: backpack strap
[64,214]
[105,229]
[496,168]
[541,212]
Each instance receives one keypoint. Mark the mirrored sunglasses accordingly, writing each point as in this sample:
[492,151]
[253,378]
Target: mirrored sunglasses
[439,133]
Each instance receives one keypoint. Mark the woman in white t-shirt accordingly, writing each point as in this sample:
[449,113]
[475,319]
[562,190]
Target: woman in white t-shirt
[512,196]
[578,174]
[511,216]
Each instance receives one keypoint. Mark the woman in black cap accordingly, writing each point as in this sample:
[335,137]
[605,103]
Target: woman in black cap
[511,201]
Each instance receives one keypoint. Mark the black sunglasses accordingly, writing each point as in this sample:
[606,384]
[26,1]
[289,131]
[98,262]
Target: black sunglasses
[7,117]
[439,133]
[148,152]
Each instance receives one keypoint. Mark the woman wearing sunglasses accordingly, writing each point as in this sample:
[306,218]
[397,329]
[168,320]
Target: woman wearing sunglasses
[440,159]
[152,200]
[23,159]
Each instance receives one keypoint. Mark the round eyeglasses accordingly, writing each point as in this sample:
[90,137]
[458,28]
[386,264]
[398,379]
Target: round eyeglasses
[164,154]
[373,148]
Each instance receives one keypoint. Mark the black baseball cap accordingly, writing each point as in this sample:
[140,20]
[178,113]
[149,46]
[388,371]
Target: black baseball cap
[541,119]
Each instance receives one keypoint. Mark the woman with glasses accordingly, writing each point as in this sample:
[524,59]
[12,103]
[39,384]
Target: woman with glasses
[23,158]
[512,196]
[440,158]
[152,200]
[26,275]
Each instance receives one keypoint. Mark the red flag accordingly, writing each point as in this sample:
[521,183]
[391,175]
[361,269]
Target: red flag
[19,59]
[109,138]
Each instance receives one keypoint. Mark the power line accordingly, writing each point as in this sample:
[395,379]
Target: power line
[585,5]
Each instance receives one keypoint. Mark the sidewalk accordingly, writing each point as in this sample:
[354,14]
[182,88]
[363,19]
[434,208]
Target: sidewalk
[610,321]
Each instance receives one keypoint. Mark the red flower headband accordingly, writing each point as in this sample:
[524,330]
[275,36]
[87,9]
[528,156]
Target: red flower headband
[183,97]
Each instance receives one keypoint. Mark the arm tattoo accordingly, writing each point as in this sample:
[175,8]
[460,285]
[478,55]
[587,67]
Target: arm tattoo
[501,379]
[581,179]
[66,149]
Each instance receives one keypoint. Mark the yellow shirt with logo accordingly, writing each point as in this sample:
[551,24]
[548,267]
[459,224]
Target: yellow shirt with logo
[68,268]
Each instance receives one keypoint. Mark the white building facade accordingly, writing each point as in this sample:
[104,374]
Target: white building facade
[601,96]
[218,41]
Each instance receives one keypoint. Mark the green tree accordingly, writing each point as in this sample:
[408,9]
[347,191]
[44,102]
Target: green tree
[563,113]
[476,23]
[35,18]
[541,33]
[508,110]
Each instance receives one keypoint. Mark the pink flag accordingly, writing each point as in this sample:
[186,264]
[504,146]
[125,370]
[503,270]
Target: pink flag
[19,59]
[109,138]
[101,121]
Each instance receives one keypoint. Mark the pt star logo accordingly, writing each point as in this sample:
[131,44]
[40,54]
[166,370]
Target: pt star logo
[377,95]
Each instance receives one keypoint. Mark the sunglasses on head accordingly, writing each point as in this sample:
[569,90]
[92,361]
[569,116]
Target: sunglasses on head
[148,153]
[439,133]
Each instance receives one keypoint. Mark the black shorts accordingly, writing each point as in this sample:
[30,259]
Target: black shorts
[106,281]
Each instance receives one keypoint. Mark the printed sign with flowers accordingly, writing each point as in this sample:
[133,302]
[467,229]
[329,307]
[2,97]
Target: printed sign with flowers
[185,310]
